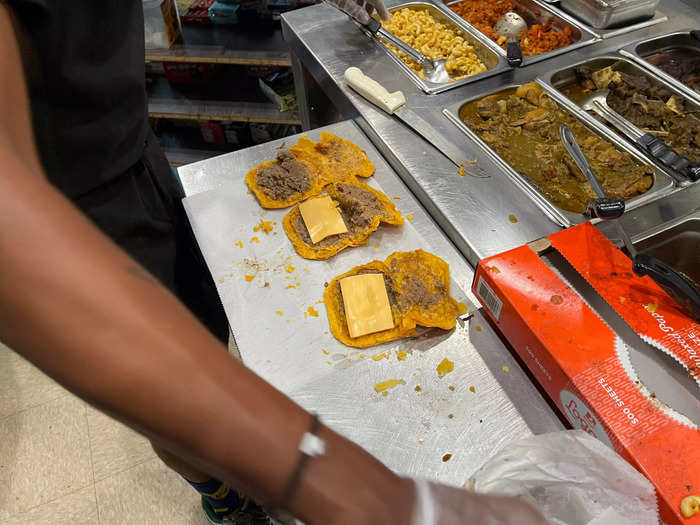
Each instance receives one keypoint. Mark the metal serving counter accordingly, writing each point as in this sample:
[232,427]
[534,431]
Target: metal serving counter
[409,431]
[478,214]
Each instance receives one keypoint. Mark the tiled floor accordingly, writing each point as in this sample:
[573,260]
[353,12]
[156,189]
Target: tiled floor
[64,463]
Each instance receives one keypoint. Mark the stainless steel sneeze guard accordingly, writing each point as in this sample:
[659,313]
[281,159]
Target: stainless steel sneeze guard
[495,63]
[641,50]
[536,12]
[663,183]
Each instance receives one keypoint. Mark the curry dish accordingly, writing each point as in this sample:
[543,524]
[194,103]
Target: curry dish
[522,126]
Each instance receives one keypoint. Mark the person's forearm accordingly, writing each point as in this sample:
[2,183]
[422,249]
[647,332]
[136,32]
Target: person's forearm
[88,315]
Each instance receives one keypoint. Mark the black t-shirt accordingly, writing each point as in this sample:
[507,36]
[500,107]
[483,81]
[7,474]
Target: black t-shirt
[84,63]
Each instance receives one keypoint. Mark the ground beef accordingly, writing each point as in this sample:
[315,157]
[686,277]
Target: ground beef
[414,292]
[284,178]
[357,206]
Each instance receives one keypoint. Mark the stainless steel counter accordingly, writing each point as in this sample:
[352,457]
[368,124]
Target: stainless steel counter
[409,431]
[476,213]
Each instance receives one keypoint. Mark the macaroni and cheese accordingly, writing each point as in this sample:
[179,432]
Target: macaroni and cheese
[435,40]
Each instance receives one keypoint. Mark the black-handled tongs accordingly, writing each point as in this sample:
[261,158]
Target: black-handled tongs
[675,283]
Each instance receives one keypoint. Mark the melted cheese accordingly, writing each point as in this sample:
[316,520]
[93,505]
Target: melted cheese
[366,304]
[322,218]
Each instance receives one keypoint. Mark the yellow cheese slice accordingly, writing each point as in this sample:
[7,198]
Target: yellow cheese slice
[322,218]
[366,304]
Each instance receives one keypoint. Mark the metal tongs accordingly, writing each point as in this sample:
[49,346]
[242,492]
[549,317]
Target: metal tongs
[674,283]
[434,70]
[597,102]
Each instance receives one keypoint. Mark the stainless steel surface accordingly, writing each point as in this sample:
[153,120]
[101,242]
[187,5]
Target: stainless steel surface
[640,51]
[598,103]
[473,212]
[429,133]
[611,32]
[493,61]
[408,431]
[604,14]
[300,87]
[663,183]
[537,12]
[569,141]
[555,80]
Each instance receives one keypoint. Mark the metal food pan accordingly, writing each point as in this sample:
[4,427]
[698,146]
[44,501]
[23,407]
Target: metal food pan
[604,15]
[535,12]
[616,31]
[662,185]
[494,62]
[553,81]
[641,50]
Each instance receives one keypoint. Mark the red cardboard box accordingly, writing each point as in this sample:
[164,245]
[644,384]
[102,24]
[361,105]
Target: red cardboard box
[576,356]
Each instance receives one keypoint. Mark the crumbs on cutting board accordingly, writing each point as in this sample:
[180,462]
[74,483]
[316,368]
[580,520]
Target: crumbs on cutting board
[506,368]
[265,226]
[388,384]
[379,357]
[312,311]
[409,216]
[445,367]
[472,389]
[254,239]
[239,244]
[401,354]
[249,277]
[446,458]
[279,312]
[289,268]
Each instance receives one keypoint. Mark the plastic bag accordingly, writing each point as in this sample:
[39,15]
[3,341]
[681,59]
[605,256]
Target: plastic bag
[572,478]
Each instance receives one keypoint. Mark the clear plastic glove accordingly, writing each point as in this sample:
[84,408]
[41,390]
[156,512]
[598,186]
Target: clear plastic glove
[442,505]
[361,10]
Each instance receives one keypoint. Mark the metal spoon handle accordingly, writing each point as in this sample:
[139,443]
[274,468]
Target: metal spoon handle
[612,116]
[567,137]
[375,28]
[574,150]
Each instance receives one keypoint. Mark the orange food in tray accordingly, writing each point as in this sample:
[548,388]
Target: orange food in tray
[537,39]
[417,286]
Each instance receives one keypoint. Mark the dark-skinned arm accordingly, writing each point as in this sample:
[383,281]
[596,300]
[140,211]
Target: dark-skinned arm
[89,316]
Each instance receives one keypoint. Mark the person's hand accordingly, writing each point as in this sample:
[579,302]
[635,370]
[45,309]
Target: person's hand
[361,10]
[437,504]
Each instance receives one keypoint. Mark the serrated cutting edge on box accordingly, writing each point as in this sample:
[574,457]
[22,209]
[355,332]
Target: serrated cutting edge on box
[622,348]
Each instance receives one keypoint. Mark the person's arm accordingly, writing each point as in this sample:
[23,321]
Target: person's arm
[85,313]
[89,316]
